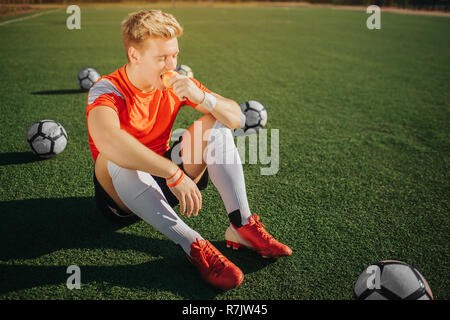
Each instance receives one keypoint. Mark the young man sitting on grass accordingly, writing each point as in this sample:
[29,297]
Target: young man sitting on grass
[130,115]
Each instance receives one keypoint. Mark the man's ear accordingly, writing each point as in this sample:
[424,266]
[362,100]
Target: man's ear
[133,54]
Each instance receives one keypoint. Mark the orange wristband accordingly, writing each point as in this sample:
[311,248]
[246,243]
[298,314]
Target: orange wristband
[178,181]
[173,175]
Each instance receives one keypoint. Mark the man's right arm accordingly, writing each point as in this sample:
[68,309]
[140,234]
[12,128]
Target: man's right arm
[126,151]
[122,148]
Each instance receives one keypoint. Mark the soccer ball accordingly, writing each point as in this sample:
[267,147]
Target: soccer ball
[392,280]
[185,71]
[255,118]
[47,138]
[87,77]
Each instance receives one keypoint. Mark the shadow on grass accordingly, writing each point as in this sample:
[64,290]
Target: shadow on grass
[33,228]
[8,158]
[57,92]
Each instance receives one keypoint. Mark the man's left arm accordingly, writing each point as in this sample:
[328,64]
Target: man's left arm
[226,111]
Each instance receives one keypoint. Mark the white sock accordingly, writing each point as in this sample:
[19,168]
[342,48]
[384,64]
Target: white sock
[140,192]
[225,170]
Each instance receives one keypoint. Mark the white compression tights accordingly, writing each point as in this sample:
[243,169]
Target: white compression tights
[139,191]
[225,170]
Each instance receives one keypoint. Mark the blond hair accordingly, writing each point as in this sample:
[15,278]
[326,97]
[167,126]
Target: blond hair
[144,24]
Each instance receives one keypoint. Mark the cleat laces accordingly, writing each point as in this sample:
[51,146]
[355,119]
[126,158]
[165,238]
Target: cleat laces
[260,228]
[216,262]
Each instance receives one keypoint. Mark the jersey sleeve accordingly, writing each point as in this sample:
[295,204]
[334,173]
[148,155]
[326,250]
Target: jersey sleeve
[202,87]
[104,93]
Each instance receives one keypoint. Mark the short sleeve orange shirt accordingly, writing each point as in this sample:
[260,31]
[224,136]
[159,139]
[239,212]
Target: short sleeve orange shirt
[148,117]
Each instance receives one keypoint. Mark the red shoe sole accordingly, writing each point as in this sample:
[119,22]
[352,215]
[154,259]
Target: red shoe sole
[236,246]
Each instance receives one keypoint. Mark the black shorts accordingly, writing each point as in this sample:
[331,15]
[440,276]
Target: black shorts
[108,207]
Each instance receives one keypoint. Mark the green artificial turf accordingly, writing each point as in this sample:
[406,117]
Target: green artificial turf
[363,120]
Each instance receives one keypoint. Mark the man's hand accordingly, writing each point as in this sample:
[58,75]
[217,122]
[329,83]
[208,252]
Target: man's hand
[184,88]
[188,194]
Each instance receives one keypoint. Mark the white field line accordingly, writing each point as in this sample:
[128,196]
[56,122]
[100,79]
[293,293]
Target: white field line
[28,17]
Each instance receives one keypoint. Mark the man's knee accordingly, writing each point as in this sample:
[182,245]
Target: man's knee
[194,139]
[103,175]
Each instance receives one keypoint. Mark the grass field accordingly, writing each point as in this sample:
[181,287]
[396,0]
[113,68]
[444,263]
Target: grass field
[363,119]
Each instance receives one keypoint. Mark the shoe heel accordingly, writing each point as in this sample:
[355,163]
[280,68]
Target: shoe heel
[234,245]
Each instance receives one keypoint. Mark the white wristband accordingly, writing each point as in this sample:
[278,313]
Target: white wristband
[209,103]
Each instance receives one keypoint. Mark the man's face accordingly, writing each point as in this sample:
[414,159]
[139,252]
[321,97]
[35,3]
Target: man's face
[157,56]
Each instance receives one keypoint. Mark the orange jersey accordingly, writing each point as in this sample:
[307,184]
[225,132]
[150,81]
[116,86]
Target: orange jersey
[148,117]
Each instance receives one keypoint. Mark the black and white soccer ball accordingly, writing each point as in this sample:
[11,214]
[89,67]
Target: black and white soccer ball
[47,138]
[87,77]
[185,71]
[255,118]
[392,280]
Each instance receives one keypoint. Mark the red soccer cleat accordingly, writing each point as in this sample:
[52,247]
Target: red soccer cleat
[214,267]
[254,236]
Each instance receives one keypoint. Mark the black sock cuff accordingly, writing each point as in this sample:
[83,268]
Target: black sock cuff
[235,218]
